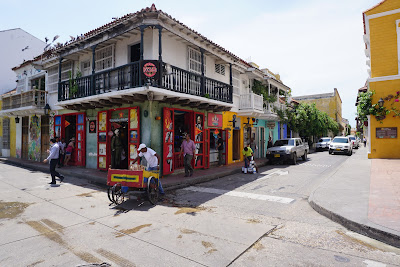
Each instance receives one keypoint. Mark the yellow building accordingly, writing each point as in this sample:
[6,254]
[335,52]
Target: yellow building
[382,39]
[330,103]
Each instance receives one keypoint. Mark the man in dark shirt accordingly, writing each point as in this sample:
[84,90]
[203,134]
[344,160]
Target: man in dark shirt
[220,147]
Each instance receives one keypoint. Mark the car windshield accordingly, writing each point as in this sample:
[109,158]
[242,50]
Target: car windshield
[352,138]
[286,142]
[340,140]
[324,140]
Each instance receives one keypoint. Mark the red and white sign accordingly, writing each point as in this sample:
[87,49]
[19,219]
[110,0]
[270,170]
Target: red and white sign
[149,69]
[214,120]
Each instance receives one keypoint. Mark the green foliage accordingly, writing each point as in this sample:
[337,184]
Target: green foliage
[365,106]
[308,121]
[73,84]
[261,89]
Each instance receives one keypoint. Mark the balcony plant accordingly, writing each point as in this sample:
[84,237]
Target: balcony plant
[73,84]
[261,89]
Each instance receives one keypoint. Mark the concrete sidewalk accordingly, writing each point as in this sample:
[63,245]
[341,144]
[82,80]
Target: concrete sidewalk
[364,196]
[169,182]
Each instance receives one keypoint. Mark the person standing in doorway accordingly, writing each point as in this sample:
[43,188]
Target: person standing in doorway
[188,149]
[62,145]
[53,158]
[69,150]
[116,150]
[220,147]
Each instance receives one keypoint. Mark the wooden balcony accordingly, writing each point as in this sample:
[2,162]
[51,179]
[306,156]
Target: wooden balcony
[33,98]
[129,76]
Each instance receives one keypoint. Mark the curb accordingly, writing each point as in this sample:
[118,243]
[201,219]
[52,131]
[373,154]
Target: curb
[386,237]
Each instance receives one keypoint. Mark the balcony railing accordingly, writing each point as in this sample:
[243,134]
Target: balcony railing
[251,101]
[35,98]
[128,76]
[272,107]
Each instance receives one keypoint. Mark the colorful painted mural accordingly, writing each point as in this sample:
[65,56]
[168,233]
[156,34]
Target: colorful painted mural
[34,138]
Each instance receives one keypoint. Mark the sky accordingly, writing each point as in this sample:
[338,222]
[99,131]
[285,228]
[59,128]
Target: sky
[315,45]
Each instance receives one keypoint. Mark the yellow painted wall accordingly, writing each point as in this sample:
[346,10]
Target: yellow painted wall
[330,106]
[13,152]
[384,62]
[227,116]
[385,6]
[383,44]
[385,148]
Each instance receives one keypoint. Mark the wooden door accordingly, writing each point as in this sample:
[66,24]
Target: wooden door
[225,137]
[45,137]
[168,140]
[25,138]
[80,144]
[236,144]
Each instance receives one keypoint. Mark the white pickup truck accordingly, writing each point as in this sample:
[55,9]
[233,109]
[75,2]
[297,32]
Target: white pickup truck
[288,150]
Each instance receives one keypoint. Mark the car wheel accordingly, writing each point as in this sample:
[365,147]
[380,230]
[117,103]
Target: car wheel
[350,153]
[294,161]
[330,152]
[304,157]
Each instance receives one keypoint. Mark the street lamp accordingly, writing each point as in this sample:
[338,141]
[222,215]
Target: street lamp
[381,102]
[47,109]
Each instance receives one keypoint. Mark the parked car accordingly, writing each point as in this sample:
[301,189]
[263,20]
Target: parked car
[354,141]
[287,150]
[323,143]
[341,144]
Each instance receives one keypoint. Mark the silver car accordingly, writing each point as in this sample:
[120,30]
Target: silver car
[323,143]
[354,141]
[341,144]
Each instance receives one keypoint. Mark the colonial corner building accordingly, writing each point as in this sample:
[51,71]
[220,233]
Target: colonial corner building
[152,78]
[382,40]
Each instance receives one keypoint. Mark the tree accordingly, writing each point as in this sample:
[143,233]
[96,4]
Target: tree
[308,121]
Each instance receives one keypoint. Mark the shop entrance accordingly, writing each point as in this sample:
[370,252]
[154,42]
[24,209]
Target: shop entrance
[213,143]
[118,137]
[176,124]
[236,145]
[72,127]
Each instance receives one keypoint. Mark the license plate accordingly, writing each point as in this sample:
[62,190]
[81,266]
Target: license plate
[338,149]
[277,155]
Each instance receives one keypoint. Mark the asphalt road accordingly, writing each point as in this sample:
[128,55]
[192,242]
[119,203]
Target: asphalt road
[240,220]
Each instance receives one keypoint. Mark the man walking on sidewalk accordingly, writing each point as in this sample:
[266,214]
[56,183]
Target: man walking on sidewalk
[53,157]
[188,149]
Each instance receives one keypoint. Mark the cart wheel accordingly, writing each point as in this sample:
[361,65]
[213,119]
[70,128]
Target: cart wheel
[109,193]
[152,190]
[117,195]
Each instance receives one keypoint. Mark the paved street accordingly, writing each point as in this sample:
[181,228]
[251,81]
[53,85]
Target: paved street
[240,220]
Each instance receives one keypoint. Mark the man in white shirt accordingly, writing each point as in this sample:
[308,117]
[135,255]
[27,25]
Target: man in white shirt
[53,158]
[152,159]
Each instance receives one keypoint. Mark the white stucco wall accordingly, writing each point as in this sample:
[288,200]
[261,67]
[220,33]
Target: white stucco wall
[12,42]
[18,138]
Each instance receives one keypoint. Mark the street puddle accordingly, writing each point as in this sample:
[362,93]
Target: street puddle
[10,210]
[258,246]
[209,246]
[118,260]
[253,221]
[47,232]
[187,231]
[188,210]
[53,225]
[131,231]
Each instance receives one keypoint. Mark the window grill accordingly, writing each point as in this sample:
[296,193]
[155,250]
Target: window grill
[220,69]
[236,82]
[52,79]
[21,85]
